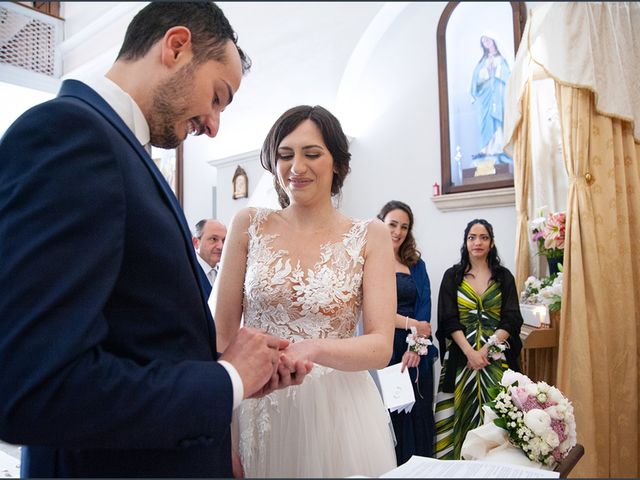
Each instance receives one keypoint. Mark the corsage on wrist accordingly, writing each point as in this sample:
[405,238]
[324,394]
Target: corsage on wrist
[417,343]
[497,348]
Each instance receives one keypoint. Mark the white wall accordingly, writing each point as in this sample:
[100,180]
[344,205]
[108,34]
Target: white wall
[390,105]
[396,154]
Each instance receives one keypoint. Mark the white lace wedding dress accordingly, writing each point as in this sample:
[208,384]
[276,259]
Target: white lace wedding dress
[334,424]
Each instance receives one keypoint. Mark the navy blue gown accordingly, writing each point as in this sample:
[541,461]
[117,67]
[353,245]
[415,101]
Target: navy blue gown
[415,431]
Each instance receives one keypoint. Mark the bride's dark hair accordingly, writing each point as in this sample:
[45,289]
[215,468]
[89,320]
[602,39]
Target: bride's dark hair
[332,134]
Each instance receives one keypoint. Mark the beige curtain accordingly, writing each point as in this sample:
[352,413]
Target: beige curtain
[590,51]
[598,353]
[521,175]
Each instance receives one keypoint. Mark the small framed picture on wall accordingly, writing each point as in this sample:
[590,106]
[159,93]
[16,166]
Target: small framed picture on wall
[240,184]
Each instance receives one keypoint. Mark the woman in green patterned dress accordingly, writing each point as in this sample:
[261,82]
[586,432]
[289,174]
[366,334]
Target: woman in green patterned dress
[477,300]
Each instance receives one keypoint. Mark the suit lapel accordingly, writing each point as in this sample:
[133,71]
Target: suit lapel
[74,88]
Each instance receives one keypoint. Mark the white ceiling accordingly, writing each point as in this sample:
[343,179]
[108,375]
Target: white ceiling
[299,51]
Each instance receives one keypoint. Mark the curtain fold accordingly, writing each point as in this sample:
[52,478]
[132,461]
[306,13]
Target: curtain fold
[592,45]
[522,180]
[598,354]
[590,51]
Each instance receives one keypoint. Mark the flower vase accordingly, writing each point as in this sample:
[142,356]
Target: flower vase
[553,264]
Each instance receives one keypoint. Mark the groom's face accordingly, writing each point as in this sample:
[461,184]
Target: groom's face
[192,99]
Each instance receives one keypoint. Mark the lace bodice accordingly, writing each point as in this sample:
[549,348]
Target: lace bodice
[323,302]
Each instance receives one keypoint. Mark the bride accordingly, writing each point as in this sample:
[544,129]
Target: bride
[307,273]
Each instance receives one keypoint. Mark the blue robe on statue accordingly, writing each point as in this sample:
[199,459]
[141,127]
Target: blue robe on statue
[487,90]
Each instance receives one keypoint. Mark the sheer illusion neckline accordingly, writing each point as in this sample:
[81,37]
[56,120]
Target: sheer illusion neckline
[324,248]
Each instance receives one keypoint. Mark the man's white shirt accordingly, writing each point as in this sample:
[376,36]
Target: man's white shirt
[210,272]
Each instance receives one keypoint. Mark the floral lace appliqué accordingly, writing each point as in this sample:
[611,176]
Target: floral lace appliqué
[321,302]
[281,298]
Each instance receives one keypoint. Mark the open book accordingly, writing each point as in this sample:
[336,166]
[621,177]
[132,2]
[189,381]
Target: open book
[423,467]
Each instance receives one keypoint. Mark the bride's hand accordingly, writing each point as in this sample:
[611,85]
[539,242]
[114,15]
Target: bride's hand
[236,464]
[304,350]
[287,373]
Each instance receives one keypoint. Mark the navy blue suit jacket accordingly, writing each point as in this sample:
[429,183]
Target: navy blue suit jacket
[107,345]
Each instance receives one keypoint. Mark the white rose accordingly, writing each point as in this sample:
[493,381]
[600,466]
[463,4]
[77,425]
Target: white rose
[532,389]
[568,444]
[538,421]
[555,395]
[547,295]
[535,446]
[556,412]
[551,438]
[556,289]
[510,377]
[545,449]
[558,279]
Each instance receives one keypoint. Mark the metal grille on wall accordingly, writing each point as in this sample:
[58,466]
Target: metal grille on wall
[28,40]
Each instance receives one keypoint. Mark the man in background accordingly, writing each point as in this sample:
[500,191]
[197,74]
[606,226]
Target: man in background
[208,240]
[107,345]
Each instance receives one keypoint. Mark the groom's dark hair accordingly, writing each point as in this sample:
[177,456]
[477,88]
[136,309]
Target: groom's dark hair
[210,31]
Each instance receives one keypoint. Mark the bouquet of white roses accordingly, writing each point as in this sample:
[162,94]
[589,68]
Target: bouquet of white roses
[545,291]
[537,416]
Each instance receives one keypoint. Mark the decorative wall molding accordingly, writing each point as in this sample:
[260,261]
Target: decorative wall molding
[501,197]
[241,158]
[24,78]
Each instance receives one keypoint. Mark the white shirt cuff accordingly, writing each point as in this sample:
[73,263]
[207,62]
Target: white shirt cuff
[236,382]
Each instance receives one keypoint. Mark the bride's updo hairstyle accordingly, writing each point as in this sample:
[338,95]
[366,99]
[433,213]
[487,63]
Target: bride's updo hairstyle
[332,134]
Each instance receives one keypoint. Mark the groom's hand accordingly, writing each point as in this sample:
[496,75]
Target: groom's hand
[255,355]
[287,373]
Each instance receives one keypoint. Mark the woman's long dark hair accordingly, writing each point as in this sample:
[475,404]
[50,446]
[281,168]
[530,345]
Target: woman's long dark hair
[408,252]
[493,260]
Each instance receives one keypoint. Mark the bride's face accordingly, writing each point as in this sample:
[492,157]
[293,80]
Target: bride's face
[305,165]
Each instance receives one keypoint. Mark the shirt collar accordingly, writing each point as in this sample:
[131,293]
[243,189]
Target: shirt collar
[205,266]
[122,103]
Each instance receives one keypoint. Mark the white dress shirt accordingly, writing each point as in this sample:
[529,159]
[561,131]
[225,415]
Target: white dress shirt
[130,113]
[210,272]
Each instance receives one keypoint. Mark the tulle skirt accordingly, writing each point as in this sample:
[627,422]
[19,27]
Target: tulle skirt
[333,425]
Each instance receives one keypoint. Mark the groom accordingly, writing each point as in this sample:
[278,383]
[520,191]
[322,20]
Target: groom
[107,345]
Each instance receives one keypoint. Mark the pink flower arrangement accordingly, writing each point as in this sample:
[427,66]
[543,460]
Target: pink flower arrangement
[549,234]
[537,416]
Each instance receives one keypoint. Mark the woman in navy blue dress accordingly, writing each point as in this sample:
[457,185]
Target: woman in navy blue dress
[415,431]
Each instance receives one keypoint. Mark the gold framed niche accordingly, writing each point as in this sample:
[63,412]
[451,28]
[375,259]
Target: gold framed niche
[476,47]
[240,183]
